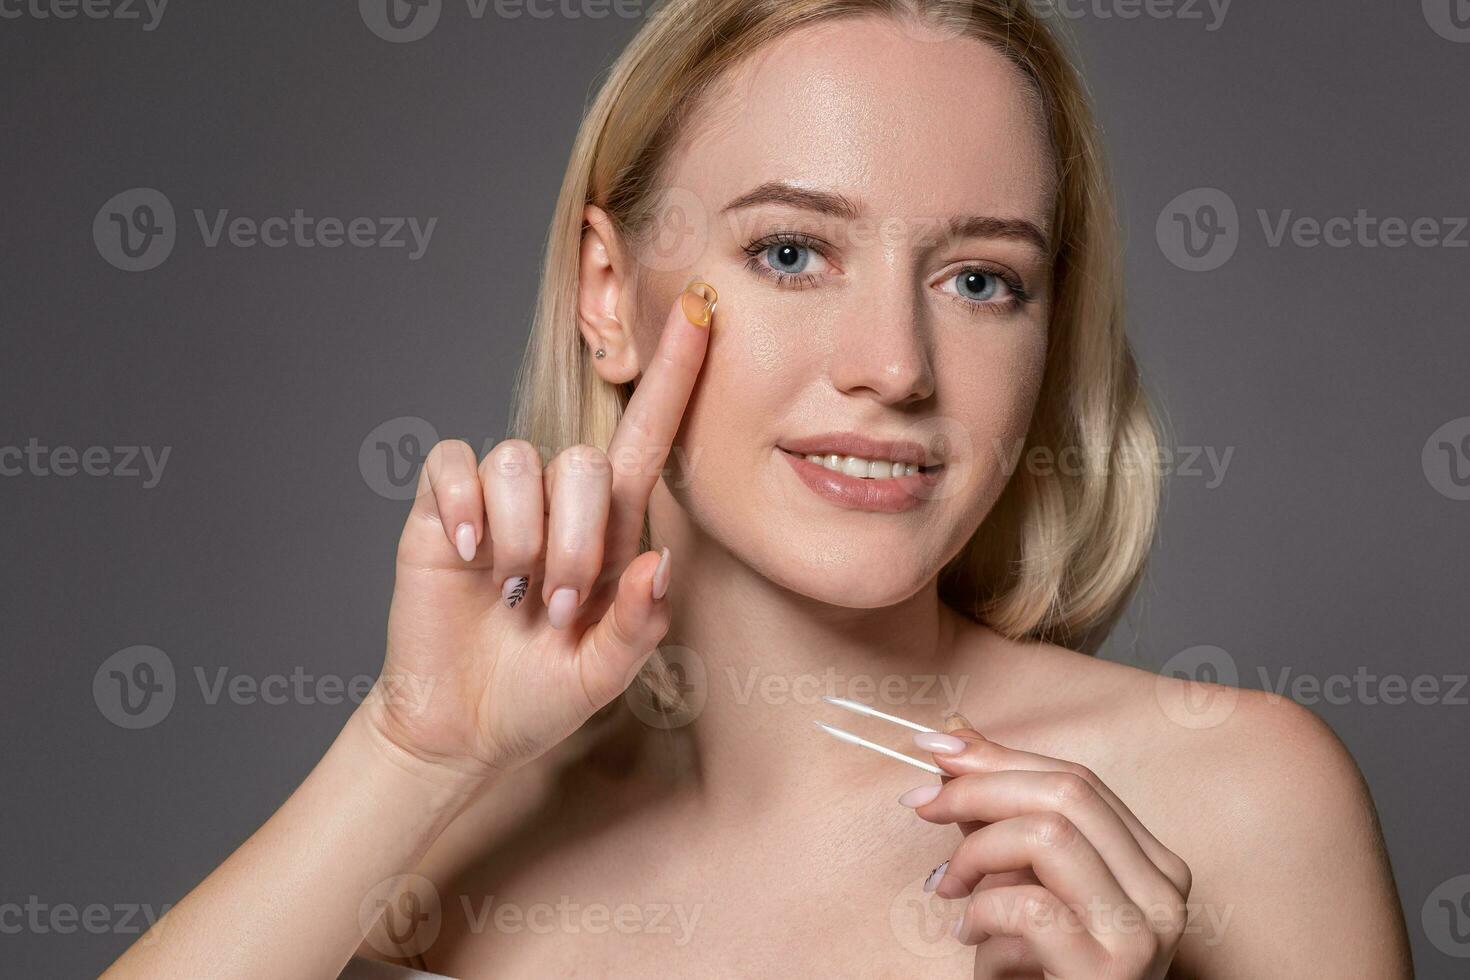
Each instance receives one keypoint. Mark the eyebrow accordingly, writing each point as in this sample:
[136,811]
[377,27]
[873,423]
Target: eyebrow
[780,192]
[840,206]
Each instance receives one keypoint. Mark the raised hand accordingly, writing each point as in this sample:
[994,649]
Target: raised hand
[521,604]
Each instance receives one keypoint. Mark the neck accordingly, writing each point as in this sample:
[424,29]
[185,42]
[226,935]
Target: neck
[754,659]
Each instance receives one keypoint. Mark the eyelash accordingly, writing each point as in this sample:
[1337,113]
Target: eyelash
[787,280]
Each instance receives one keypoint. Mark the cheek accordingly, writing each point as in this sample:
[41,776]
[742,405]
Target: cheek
[1013,373]
[756,365]
[763,345]
[992,387]
[754,368]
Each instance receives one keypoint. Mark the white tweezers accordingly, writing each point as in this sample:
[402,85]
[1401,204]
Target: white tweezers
[863,709]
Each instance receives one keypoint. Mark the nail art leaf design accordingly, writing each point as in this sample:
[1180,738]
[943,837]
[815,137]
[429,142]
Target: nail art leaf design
[518,592]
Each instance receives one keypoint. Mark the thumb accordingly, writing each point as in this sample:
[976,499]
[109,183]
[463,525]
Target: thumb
[611,653]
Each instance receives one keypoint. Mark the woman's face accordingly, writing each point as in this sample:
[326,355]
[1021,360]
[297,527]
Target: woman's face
[873,209]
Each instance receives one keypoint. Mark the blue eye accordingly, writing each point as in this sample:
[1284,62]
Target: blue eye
[978,285]
[788,258]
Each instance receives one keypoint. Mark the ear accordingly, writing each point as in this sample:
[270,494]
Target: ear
[604,298]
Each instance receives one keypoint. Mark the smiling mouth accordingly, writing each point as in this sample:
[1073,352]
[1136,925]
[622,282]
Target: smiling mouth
[864,468]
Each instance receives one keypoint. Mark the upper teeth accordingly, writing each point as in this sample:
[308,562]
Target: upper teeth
[871,469]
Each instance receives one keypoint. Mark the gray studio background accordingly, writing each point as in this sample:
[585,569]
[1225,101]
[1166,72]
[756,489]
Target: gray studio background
[1333,544]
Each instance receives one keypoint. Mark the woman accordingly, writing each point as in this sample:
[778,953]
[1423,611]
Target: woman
[889,443]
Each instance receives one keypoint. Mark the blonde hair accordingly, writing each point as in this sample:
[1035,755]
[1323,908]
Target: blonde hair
[1060,553]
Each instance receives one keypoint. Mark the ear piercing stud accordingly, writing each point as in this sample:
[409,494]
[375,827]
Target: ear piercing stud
[599,353]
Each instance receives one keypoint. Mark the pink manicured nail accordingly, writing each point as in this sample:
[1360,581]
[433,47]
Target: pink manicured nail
[935,742]
[920,795]
[464,541]
[562,606]
[661,576]
[958,928]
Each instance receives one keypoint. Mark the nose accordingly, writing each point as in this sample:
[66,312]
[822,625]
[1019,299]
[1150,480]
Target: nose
[881,351]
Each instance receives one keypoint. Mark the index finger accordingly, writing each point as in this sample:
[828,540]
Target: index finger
[641,443]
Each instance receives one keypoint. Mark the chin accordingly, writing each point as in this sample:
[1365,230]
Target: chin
[842,566]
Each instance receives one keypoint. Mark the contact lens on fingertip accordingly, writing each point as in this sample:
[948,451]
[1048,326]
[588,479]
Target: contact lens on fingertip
[698,301]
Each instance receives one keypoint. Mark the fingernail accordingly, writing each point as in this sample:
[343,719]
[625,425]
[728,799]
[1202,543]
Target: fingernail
[661,576]
[919,795]
[561,607]
[958,928]
[935,742]
[698,302]
[464,541]
[514,590]
[954,721]
[932,882]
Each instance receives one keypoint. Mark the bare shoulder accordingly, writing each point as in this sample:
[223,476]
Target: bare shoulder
[1251,744]
[1255,792]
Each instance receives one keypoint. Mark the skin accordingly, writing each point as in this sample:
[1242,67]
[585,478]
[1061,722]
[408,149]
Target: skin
[1233,823]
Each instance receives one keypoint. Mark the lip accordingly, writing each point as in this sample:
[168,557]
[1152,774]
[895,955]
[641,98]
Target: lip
[890,496]
[854,444]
